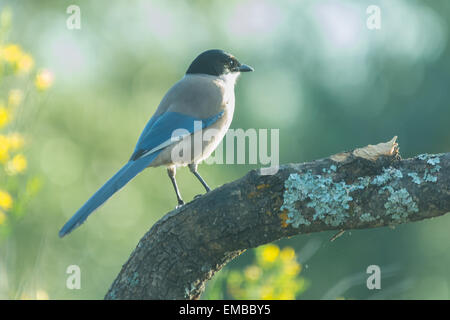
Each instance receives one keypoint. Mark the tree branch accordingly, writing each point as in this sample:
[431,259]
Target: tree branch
[365,188]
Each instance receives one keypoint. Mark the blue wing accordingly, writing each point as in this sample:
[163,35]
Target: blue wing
[160,134]
[155,137]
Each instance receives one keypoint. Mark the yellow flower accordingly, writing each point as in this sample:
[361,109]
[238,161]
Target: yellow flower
[270,253]
[6,200]
[286,295]
[292,268]
[12,53]
[15,140]
[2,217]
[18,164]
[267,293]
[25,63]
[15,97]
[252,272]
[287,254]
[44,80]
[41,295]
[4,149]
[5,116]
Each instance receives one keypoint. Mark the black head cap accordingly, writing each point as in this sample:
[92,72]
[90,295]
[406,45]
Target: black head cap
[216,62]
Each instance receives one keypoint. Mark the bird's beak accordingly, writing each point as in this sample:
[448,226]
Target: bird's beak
[245,68]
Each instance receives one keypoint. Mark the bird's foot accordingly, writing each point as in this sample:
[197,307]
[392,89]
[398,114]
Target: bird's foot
[180,204]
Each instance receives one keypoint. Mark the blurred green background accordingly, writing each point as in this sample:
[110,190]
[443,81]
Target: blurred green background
[322,78]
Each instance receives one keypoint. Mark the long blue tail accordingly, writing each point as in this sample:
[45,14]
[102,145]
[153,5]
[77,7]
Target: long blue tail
[121,178]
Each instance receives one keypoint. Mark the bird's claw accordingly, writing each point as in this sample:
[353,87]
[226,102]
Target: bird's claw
[180,204]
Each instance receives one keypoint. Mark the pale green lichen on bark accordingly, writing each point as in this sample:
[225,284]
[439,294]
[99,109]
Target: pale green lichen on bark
[328,199]
[388,175]
[367,217]
[331,200]
[434,161]
[433,157]
[415,177]
[400,205]
[428,175]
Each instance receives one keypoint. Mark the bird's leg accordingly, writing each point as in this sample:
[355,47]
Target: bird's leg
[193,168]
[171,171]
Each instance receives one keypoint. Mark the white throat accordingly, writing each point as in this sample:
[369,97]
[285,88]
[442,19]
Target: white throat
[230,78]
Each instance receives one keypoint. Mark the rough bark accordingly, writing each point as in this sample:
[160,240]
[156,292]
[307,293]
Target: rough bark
[364,188]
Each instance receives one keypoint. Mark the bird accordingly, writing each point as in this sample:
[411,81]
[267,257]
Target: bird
[202,101]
